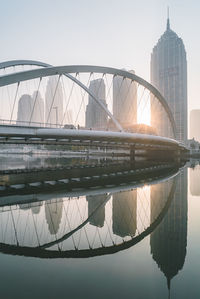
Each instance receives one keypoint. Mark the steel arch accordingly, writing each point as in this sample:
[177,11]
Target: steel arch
[66,70]
[13,63]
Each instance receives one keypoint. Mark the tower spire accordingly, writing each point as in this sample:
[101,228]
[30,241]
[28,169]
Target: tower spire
[168,24]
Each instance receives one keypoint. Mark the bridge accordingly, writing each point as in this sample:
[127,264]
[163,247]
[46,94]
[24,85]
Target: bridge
[85,107]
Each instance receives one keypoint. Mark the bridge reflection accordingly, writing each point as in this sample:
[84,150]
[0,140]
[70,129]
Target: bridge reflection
[82,222]
[103,219]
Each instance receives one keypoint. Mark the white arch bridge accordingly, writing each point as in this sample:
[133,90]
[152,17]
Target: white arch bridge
[84,106]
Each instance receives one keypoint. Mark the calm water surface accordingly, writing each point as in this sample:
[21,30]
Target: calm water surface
[116,242]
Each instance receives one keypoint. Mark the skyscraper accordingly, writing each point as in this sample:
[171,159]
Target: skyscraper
[54,102]
[31,109]
[24,109]
[169,76]
[96,117]
[195,124]
[125,100]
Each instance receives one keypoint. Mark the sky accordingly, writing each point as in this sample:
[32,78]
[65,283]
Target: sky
[115,33]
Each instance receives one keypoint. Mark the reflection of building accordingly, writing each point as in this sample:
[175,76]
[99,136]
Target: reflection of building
[195,181]
[96,117]
[35,207]
[96,205]
[195,124]
[169,240]
[53,214]
[125,100]
[169,76]
[54,101]
[31,109]
[125,213]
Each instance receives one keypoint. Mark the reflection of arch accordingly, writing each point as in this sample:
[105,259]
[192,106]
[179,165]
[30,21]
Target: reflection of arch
[85,253]
[66,70]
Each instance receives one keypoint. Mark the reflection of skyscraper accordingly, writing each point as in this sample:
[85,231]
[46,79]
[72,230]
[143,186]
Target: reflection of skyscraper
[96,205]
[31,109]
[195,181]
[169,75]
[96,117]
[169,240]
[125,100]
[125,213]
[53,214]
[54,101]
[35,207]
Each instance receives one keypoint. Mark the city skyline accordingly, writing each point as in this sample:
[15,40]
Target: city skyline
[116,53]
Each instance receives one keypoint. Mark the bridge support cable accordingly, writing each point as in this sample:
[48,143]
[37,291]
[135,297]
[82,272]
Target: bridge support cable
[8,93]
[52,102]
[68,100]
[13,222]
[69,226]
[36,230]
[11,116]
[82,98]
[66,70]
[134,96]
[35,101]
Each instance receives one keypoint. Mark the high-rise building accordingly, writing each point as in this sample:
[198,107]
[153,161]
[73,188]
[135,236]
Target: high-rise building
[125,213]
[195,124]
[54,102]
[24,109]
[96,117]
[169,239]
[31,110]
[169,76]
[125,100]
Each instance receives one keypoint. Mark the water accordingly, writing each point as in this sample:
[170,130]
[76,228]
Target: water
[135,240]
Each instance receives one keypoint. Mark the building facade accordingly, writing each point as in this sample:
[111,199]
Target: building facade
[54,102]
[31,110]
[125,100]
[96,117]
[195,124]
[169,76]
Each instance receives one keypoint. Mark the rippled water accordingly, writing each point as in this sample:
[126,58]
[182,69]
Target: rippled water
[134,240]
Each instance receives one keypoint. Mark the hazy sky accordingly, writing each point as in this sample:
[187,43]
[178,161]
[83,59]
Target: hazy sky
[117,33]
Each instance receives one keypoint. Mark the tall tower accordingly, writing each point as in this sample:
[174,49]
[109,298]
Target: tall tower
[96,117]
[169,76]
[125,100]
[31,110]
